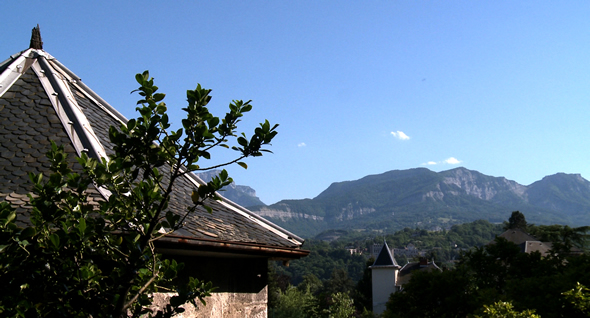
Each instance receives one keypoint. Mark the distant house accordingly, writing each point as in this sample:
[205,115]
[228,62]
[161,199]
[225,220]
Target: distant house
[526,242]
[388,277]
[410,251]
[41,100]
[405,273]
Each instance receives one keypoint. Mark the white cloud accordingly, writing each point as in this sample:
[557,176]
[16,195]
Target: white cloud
[301,144]
[400,135]
[452,161]
[449,161]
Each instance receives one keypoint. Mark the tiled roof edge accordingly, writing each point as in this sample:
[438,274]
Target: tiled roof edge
[172,242]
[75,123]
[77,81]
[290,235]
[12,69]
[9,60]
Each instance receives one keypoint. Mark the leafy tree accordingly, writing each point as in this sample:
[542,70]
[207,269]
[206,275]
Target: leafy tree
[516,221]
[506,310]
[338,282]
[579,297]
[434,294]
[294,303]
[312,283]
[363,292]
[563,237]
[341,306]
[495,273]
[79,259]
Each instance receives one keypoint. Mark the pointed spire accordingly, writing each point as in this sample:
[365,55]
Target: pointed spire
[36,42]
[385,258]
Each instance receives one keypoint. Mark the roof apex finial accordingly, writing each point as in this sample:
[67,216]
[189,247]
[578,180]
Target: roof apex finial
[36,42]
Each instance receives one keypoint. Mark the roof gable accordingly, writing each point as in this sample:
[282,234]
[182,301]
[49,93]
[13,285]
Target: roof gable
[41,100]
[517,236]
[384,258]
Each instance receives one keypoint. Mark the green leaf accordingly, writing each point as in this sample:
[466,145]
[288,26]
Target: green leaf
[28,232]
[242,141]
[195,197]
[11,216]
[159,96]
[223,175]
[82,225]
[54,238]
[139,78]
[243,165]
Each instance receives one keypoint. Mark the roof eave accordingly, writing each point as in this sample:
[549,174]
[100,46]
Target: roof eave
[177,244]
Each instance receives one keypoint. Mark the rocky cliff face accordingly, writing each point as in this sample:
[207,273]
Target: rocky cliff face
[285,215]
[240,194]
[481,186]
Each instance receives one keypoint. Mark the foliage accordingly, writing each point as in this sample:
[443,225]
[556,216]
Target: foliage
[433,294]
[563,237]
[322,260]
[294,303]
[363,292]
[506,310]
[78,258]
[579,297]
[495,273]
[338,282]
[312,283]
[341,306]
[516,221]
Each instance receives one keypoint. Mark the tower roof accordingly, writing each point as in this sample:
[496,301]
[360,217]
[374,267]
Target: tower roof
[42,100]
[385,259]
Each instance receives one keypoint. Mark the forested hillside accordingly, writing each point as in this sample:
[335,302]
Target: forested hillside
[331,267]
[475,274]
[429,200]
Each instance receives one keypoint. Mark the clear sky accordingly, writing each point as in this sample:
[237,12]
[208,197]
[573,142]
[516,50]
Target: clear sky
[358,87]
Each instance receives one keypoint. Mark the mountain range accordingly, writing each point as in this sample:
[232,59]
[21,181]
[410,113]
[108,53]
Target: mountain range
[432,200]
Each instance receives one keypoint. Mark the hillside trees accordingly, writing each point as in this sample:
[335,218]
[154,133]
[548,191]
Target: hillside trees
[495,273]
[516,221]
[77,259]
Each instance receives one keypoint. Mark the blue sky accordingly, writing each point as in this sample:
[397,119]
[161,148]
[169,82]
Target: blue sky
[358,88]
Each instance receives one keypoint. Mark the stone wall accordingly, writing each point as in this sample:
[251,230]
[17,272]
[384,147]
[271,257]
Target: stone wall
[241,284]
[226,305]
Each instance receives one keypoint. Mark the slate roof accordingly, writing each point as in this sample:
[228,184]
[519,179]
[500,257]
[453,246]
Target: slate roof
[405,274]
[535,246]
[41,100]
[517,236]
[526,242]
[385,259]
